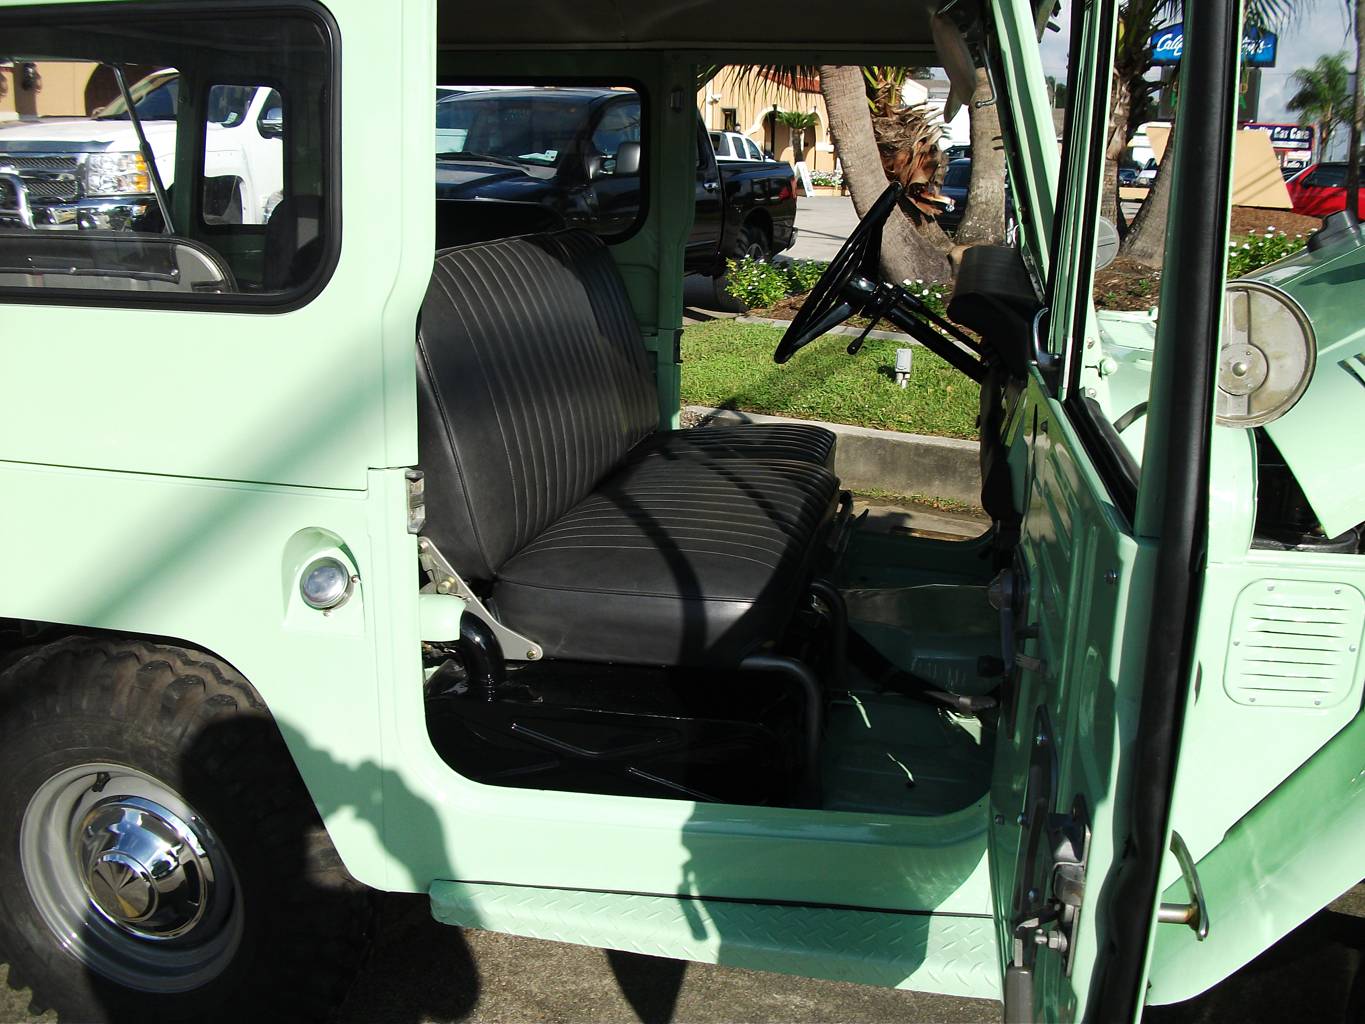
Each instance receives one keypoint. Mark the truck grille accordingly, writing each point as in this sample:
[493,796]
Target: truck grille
[47,178]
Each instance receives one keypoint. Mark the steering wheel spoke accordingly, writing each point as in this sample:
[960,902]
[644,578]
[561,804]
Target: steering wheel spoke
[843,289]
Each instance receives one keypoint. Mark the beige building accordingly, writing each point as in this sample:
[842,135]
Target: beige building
[728,103]
[56,88]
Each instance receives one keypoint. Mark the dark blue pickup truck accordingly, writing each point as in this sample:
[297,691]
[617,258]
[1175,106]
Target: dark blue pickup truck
[515,160]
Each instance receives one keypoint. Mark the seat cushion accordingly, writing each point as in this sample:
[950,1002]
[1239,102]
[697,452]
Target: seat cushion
[672,562]
[796,442]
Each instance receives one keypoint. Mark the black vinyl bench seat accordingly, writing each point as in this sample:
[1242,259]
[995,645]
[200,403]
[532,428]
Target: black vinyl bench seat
[550,489]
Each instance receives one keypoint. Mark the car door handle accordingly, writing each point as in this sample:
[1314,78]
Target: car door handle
[711,186]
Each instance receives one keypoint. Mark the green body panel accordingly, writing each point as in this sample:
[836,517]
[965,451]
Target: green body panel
[1295,852]
[331,385]
[928,953]
[1322,433]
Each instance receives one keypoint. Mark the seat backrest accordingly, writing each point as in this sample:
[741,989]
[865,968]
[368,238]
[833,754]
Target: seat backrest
[521,408]
[293,242]
[591,262]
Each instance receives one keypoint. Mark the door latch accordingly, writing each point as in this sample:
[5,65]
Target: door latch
[1050,923]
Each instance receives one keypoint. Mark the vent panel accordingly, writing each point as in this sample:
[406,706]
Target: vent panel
[1295,644]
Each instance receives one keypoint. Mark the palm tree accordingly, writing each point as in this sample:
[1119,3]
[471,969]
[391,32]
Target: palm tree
[1322,97]
[1145,241]
[1357,106]
[984,221]
[798,123]
[913,243]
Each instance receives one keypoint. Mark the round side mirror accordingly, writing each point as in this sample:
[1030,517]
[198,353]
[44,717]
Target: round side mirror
[1106,243]
[1268,356]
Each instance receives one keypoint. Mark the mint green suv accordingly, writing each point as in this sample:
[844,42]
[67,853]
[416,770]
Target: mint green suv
[333,563]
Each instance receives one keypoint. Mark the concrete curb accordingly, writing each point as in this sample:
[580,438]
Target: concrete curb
[852,332]
[885,460]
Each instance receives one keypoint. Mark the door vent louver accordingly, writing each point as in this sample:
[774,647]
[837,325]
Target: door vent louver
[1294,644]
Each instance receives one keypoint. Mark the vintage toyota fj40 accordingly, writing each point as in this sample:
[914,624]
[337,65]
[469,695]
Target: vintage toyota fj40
[327,565]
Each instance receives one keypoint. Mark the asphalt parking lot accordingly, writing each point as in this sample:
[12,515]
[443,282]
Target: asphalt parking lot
[822,224]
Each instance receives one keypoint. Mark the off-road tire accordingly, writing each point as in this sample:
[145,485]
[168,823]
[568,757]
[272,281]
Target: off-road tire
[195,725]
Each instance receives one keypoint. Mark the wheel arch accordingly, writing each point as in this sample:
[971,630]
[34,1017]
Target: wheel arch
[319,769]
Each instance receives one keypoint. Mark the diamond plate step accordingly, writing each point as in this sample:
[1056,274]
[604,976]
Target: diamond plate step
[925,952]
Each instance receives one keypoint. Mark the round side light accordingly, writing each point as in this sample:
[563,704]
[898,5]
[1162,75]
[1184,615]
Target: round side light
[325,584]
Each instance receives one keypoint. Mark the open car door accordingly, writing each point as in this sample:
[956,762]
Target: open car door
[1096,612]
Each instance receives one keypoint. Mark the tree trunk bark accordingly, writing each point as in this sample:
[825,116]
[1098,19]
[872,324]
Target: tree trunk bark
[1119,110]
[1357,113]
[984,222]
[906,253]
[1146,241]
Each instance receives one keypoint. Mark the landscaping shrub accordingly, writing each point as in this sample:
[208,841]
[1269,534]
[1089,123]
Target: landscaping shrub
[802,275]
[1256,250]
[755,282]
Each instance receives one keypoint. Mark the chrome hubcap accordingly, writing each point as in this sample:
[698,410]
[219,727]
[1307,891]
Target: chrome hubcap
[144,868]
[129,879]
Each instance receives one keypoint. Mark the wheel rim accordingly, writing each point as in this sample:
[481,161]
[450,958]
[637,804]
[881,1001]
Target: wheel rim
[756,251]
[130,880]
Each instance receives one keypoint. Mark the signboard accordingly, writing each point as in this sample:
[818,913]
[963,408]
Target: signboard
[1284,136]
[1259,49]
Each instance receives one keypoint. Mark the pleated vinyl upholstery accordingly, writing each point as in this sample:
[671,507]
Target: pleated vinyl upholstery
[590,261]
[689,562]
[519,407]
[600,539]
[797,441]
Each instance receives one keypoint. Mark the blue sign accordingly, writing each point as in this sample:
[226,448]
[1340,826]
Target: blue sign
[1259,49]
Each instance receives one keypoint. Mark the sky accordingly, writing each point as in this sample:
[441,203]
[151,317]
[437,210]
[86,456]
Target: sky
[1323,29]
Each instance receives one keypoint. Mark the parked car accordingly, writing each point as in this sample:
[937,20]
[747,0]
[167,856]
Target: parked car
[572,158]
[89,172]
[956,186]
[1320,189]
[734,146]
[957,183]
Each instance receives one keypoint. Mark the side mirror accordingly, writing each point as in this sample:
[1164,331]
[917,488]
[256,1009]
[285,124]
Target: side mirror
[628,159]
[1106,243]
[271,123]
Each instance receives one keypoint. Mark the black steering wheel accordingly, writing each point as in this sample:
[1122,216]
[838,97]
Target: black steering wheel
[831,301]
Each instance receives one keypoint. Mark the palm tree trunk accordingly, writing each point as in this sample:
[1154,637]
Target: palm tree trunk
[906,254]
[1146,240]
[1357,113]
[1120,107]
[984,223]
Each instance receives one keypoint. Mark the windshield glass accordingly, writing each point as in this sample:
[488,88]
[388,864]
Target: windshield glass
[529,129]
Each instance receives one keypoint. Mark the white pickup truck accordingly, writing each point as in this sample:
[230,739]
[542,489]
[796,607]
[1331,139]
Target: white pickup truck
[89,172]
[734,146]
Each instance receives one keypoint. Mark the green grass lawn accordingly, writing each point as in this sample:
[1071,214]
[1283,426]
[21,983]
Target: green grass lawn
[728,364]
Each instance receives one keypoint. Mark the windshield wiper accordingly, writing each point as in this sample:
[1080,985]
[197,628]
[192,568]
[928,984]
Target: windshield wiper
[479,158]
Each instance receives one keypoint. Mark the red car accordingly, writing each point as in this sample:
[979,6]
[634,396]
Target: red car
[1320,189]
